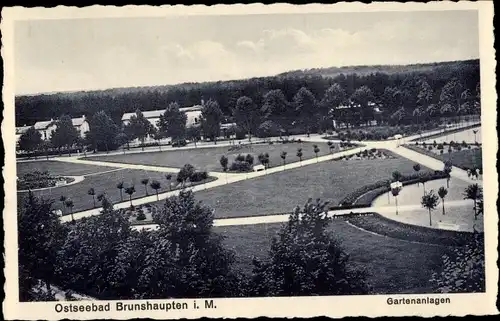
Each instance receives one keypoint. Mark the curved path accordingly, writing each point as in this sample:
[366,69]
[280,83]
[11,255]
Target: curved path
[228,178]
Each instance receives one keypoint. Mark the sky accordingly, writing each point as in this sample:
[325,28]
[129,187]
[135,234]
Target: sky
[88,54]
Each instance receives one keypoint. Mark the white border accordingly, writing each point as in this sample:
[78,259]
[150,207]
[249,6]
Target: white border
[338,306]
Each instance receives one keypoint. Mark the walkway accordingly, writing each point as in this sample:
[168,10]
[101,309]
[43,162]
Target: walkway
[228,178]
[281,218]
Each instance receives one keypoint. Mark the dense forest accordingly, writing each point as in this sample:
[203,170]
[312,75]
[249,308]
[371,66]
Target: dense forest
[378,79]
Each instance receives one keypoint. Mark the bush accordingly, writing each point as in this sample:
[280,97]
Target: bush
[240,166]
[141,216]
[464,144]
[440,146]
[240,158]
[249,159]
[429,147]
[198,176]
[37,179]
[179,143]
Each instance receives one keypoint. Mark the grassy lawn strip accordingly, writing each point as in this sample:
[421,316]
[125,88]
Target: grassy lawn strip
[59,168]
[281,192]
[464,159]
[105,183]
[394,266]
[451,131]
[208,158]
[383,226]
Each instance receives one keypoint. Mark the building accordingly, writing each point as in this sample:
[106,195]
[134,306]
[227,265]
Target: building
[47,127]
[153,116]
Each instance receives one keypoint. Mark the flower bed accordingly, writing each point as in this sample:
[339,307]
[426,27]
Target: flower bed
[387,227]
[38,180]
[460,157]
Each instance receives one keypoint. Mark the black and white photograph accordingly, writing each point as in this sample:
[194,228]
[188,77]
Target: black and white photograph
[167,164]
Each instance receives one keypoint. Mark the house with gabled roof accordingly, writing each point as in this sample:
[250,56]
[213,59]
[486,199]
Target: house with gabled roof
[47,127]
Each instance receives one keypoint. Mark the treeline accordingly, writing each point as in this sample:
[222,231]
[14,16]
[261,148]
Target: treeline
[115,103]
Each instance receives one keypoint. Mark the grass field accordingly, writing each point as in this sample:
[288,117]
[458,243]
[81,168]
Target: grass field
[327,180]
[465,158]
[394,266]
[208,158]
[59,168]
[104,183]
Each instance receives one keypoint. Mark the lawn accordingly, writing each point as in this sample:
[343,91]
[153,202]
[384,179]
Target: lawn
[394,266]
[281,192]
[59,168]
[208,158]
[104,183]
[465,158]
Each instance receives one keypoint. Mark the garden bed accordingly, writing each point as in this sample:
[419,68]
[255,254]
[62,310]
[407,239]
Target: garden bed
[447,132]
[383,226]
[369,154]
[38,180]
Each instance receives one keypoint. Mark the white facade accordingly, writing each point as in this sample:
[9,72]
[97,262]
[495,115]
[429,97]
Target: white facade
[153,116]
[47,128]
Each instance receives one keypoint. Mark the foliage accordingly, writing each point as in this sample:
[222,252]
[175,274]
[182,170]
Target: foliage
[31,140]
[211,117]
[39,238]
[185,173]
[463,270]
[103,134]
[65,134]
[304,259]
[224,162]
[139,127]
[306,107]
[240,166]
[172,122]
[247,115]
[37,179]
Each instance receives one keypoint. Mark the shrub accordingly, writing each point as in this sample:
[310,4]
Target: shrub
[440,146]
[141,216]
[464,144]
[441,152]
[179,143]
[240,158]
[240,166]
[249,159]
[198,176]
[429,147]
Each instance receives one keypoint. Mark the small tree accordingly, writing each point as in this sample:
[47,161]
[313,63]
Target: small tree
[395,193]
[283,157]
[475,193]
[448,166]
[224,161]
[430,202]
[316,151]
[69,204]
[299,155]
[91,192]
[475,133]
[249,159]
[120,186]
[331,145]
[442,192]
[62,199]
[417,168]
[145,182]
[168,177]
[156,186]
[130,191]
[396,176]
[185,173]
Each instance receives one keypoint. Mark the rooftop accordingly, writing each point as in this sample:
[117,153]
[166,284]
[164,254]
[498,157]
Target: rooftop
[157,113]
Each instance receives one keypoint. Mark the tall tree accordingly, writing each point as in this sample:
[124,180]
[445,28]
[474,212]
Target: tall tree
[211,118]
[155,185]
[103,132]
[65,134]
[334,97]
[39,239]
[475,193]
[247,115]
[31,140]
[276,108]
[363,96]
[305,259]
[451,96]
[189,259]
[173,122]
[139,127]
[306,108]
